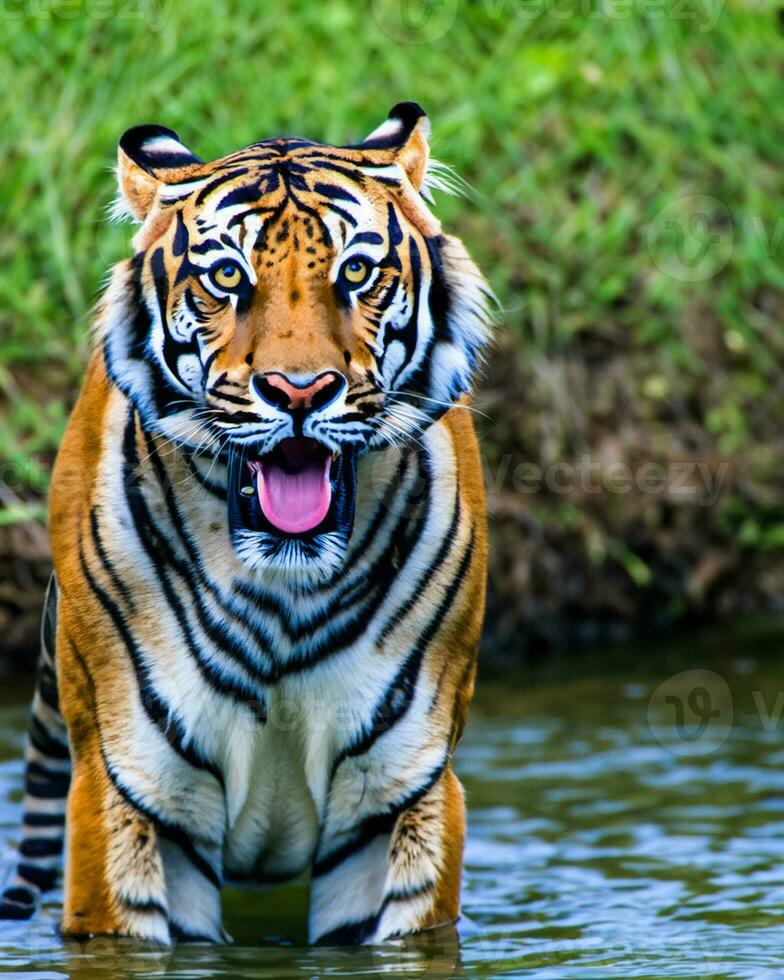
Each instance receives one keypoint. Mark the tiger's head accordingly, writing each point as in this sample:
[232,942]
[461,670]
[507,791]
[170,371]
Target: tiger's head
[291,306]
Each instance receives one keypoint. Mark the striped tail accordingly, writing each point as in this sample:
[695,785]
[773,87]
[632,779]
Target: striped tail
[47,776]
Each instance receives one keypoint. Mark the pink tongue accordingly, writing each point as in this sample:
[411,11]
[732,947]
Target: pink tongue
[295,502]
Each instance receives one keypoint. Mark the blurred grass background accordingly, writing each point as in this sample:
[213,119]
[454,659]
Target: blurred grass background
[626,161]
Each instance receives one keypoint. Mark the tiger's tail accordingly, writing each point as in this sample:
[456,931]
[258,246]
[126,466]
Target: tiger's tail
[47,777]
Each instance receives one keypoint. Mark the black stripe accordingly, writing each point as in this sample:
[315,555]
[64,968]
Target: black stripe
[49,620]
[333,192]
[42,878]
[216,489]
[211,357]
[355,933]
[361,394]
[367,237]
[439,298]
[161,283]
[431,570]
[31,819]
[207,246]
[39,771]
[234,418]
[224,178]
[233,399]
[161,555]
[46,685]
[406,894]
[46,789]
[18,911]
[375,825]
[150,907]
[45,742]
[194,575]
[382,511]
[314,162]
[390,181]
[17,903]
[116,581]
[449,596]
[398,696]
[38,847]
[199,315]
[407,334]
[350,934]
[156,709]
[378,824]
[172,349]
[313,212]
[345,215]
[239,218]
[182,935]
[19,893]
[240,195]
[172,832]
[180,240]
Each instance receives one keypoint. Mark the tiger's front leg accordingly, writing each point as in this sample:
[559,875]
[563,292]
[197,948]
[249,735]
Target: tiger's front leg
[394,873]
[130,872]
[114,878]
[124,877]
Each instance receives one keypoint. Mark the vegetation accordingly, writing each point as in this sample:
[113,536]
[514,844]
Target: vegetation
[627,206]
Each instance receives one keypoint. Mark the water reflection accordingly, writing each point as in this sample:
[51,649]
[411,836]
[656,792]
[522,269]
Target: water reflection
[597,847]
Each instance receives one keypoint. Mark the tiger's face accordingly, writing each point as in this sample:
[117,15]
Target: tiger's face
[293,306]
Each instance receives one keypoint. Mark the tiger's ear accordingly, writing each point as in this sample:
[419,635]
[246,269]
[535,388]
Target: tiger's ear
[406,131]
[147,157]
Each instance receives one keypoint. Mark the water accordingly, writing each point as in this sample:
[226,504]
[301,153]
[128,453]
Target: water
[605,841]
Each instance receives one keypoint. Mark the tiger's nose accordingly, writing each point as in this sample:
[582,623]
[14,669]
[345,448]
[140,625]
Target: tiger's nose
[300,395]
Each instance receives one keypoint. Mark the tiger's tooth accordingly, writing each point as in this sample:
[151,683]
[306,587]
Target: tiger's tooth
[247,491]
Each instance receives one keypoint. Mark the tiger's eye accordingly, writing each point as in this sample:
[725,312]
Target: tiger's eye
[356,271]
[228,275]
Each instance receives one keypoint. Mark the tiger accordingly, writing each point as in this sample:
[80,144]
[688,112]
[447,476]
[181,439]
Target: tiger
[269,540]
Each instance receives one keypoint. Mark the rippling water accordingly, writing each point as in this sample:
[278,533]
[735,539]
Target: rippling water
[626,820]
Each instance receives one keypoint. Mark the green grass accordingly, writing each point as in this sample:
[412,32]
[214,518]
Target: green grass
[584,128]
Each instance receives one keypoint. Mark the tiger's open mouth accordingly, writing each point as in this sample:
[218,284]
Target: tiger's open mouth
[293,485]
[298,490]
